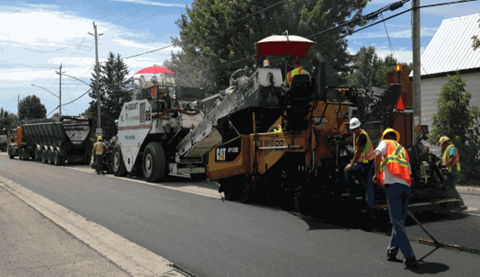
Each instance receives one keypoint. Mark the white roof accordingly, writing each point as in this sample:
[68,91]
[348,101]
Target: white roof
[451,47]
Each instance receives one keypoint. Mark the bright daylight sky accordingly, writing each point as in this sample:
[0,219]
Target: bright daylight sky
[37,35]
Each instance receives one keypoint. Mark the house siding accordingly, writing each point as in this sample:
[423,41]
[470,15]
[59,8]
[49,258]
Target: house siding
[431,89]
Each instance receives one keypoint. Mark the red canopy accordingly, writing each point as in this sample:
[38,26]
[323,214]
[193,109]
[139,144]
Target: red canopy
[154,70]
[283,45]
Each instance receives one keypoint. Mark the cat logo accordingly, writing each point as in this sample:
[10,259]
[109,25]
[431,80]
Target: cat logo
[220,154]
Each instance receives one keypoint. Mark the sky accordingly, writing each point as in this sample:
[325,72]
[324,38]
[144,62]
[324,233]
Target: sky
[36,36]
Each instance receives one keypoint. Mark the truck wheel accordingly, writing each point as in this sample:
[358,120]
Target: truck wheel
[246,194]
[117,164]
[56,158]
[199,176]
[20,154]
[50,156]
[10,155]
[154,163]
[44,156]
[231,192]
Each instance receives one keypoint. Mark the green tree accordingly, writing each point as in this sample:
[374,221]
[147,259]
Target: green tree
[114,92]
[217,37]
[371,70]
[7,119]
[458,120]
[31,107]
[476,40]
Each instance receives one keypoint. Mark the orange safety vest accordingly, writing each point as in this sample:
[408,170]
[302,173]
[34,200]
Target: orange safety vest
[99,148]
[367,153]
[446,158]
[296,71]
[397,161]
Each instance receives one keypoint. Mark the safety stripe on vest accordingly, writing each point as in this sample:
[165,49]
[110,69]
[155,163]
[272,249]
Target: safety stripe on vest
[457,158]
[368,156]
[402,160]
[291,74]
[98,148]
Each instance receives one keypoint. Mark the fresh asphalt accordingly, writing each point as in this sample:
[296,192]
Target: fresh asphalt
[210,237]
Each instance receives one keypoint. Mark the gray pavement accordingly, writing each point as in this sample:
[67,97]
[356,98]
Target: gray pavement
[32,245]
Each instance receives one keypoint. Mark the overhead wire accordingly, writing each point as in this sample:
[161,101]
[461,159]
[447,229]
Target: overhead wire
[152,14]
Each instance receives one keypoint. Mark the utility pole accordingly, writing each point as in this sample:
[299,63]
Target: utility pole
[18,108]
[417,93]
[60,89]
[97,74]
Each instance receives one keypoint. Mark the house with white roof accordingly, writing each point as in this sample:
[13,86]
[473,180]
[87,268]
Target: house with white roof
[450,50]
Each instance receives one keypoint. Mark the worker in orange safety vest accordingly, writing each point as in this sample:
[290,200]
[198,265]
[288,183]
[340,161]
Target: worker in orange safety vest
[98,152]
[392,172]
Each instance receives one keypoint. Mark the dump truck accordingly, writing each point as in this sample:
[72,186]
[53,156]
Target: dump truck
[55,140]
[302,167]
[3,140]
[161,131]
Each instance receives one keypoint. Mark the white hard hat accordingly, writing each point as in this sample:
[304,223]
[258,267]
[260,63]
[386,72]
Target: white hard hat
[354,123]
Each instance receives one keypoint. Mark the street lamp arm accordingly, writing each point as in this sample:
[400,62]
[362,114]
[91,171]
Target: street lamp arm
[75,78]
[33,85]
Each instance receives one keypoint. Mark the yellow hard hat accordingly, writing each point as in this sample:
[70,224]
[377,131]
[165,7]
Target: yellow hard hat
[443,139]
[99,138]
[390,130]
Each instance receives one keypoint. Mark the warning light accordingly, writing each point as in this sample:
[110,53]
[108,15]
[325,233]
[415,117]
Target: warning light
[400,105]
[399,67]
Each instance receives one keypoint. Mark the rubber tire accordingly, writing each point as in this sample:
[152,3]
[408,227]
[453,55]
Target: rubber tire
[44,156]
[86,159]
[117,162]
[38,154]
[56,158]
[50,157]
[154,162]
[246,193]
[10,156]
[231,193]
[199,176]
[20,154]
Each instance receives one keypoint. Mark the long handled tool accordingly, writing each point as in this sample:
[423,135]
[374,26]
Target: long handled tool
[434,241]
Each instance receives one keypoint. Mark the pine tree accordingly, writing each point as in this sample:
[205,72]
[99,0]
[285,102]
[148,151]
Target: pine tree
[114,92]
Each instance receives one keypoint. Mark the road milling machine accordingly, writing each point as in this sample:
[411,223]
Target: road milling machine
[302,166]
[162,131]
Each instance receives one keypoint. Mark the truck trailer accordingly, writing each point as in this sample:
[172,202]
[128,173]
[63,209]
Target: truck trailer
[55,140]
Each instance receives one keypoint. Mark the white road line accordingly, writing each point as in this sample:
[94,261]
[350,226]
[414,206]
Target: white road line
[134,259]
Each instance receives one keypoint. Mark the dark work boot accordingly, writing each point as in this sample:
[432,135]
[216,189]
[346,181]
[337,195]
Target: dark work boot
[411,263]
[390,256]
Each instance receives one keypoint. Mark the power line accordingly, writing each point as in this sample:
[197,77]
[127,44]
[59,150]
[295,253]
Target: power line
[184,41]
[152,14]
[36,54]
[390,42]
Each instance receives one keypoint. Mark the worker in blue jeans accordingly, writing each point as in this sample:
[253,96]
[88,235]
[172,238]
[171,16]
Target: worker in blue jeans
[392,172]
[361,165]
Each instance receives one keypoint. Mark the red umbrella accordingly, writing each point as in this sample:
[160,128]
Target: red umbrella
[283,45]
[154,70]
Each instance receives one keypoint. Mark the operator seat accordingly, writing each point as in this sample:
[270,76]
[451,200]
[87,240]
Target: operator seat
[298,98]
